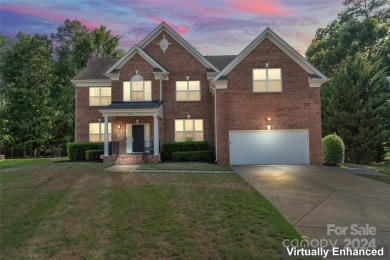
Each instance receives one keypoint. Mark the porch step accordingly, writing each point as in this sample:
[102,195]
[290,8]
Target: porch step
[135,159]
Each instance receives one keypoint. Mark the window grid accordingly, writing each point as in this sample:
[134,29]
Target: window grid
[189,130]
[190,93]
[269,79]
[138,90]
[94,132]
[99,96]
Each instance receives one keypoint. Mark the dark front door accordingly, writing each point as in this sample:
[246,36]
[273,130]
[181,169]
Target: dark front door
[139,138]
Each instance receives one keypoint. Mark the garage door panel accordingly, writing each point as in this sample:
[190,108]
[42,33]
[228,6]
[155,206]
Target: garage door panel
[269,147]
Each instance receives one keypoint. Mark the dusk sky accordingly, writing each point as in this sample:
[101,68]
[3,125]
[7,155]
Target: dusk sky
[214,27]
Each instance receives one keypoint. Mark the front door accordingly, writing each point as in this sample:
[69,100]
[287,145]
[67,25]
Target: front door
[138,138]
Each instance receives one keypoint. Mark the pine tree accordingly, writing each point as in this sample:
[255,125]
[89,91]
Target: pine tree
[356,106]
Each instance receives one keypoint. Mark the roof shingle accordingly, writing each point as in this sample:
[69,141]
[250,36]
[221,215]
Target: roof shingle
[96,68]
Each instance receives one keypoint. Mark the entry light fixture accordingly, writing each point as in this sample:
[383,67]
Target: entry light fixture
[268,119]
[137,120]
[188,115]
[119,126]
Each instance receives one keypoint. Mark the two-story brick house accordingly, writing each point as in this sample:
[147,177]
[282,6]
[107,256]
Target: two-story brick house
[259,107]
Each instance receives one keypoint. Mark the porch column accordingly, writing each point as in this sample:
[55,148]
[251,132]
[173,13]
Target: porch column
[156,136]
[105,135]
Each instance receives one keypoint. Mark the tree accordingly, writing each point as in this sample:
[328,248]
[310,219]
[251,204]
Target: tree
[27,71]
[361,30]
[104,44]
[36,73]
[356,106]
[352,33]
[364,9]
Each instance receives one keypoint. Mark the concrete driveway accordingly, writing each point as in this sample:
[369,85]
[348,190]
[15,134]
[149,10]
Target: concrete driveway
[311,197]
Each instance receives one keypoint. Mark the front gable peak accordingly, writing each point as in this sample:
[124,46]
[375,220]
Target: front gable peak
[112,72]
[281,44]
[164,44]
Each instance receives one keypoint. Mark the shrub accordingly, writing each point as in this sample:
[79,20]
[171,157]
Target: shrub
[76,150]
[333,149]
[170,147]
[93,155]
[193,156]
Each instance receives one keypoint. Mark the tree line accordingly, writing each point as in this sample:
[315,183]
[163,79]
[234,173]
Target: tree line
[354,52]
[37,96]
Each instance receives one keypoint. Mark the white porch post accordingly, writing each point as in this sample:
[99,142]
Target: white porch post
[156,135]
[105,135]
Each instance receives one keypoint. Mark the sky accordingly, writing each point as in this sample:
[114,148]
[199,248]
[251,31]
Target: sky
[213,27]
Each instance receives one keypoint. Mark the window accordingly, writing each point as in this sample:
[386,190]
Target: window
[188,90]
[267,80]
[137,89]
[94,132]
[99,96]
[188,130]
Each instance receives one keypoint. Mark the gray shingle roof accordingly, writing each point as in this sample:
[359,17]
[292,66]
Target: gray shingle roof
[220,61]
[314,76]
[133,105]
[96,68]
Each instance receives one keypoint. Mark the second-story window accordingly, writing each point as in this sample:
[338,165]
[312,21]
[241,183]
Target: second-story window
[267,80]
[137,89]
[99,96]
[188,90]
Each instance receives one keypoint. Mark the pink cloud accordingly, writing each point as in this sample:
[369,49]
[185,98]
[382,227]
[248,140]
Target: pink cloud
[180,29]
[48,15]
[267,7]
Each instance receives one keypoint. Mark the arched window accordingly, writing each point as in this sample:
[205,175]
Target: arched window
[137,89]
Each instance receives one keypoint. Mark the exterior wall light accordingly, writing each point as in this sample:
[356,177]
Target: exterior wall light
[119,126]
[137,120]
[268,121]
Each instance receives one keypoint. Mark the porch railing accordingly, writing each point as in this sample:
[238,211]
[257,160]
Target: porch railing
[149,147]
[113,148]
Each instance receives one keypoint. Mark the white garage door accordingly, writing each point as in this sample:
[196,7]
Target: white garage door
[269,147]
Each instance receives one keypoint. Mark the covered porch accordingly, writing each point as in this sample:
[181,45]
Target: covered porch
[134,131]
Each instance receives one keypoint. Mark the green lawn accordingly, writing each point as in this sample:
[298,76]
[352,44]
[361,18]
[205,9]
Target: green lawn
[383,167]
[75,210]
[185,166]
[9,163]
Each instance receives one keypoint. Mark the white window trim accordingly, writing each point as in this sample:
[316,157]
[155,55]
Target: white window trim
[266,81]
[188,91]
[193,131]
[137,78]
[100,96]
[101,126]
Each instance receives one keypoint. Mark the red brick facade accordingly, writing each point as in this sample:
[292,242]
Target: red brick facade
[297,107]
[238,107]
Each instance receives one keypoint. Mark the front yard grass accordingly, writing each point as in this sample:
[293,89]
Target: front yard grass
[383,167]
[75,210]
[195,166]
[10,163]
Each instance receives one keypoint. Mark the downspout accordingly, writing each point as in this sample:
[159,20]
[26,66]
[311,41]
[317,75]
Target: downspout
[215,123]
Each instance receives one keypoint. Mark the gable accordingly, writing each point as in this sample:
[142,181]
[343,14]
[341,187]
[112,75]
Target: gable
[282,45]
[162,29]
[112,72]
